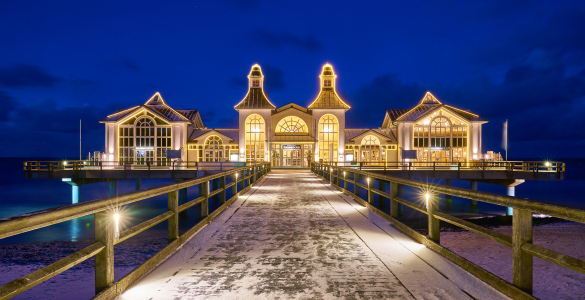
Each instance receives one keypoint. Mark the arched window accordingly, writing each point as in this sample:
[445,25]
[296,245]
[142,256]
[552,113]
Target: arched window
[440,133]
[291,124]
[144,140]
[213,148]
[370,149]
[328,138]
[254,135]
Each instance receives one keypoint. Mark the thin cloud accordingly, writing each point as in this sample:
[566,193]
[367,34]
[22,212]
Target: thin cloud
[24,75]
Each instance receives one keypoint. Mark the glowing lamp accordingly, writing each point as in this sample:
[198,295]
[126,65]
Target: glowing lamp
[368,180]
[547,164]
[344,173]
[117,220]
[427,196]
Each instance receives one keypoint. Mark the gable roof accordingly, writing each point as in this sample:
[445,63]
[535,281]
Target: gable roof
[427,104]
[352,134]
[232,134]
[157,105]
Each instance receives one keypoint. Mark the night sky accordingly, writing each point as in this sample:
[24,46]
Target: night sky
[61,61]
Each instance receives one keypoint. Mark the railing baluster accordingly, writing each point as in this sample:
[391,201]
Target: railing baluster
[104,260]
[173,223]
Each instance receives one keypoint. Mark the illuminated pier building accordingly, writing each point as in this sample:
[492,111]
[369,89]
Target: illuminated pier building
[290,135]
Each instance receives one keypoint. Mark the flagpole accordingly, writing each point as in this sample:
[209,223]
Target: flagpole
[80,139]
[506,135]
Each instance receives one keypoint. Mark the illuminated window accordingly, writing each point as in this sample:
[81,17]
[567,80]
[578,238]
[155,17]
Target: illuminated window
[213,148]
[255,83]
[291,124]
[254,135]
[328,138]
[370,149]
[327,83]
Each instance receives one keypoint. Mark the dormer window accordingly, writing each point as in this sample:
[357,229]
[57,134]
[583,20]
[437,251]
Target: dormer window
[255,83]
[327,83]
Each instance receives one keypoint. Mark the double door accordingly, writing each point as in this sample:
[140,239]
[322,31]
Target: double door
[441,156]
[142,156]
[291,158]
[370,156]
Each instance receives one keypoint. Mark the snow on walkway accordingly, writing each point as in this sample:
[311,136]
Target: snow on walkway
[294,236]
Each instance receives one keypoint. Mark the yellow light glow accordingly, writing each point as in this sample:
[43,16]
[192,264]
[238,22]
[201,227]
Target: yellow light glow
[427,196]
[117,221]
[261,77]
[334,86]
[547,164]
[343,173]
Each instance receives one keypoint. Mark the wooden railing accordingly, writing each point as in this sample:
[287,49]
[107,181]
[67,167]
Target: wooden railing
[520,241]
[518,166]
[106,236]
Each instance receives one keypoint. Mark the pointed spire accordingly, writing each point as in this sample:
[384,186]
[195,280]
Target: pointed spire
[328,97]
[156,99]
[255,98]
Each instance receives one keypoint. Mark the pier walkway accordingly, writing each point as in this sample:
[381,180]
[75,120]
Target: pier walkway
[294,236]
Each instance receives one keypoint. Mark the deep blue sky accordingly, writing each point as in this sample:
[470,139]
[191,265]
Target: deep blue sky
[65,60]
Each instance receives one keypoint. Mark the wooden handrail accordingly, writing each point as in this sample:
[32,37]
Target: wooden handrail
[103,209]
[521,242]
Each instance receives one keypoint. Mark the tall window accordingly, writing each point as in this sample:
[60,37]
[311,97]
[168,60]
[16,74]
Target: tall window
[370,149]
[291,124]
[126,143]
[328,138]
[144,140]
[213,148]
[440,133]
[254,135]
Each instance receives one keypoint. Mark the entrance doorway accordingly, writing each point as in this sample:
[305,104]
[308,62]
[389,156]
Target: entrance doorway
[370,156]
[142,156]
[441,156]
[291,158]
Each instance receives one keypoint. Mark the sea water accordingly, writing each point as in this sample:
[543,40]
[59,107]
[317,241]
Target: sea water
[19,195]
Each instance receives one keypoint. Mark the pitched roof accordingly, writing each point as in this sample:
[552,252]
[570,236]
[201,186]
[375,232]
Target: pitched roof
[157,105]
[426,105]
[233,134]
[255,98]
[351,134]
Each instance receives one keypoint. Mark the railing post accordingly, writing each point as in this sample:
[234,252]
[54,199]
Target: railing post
[345,181]
[393,203]
[370,182]
[382,200]
[434,225]
[204,192]
[235,186]
[173,223]
[356,188]
[104,260]
[222,187]
[522,260]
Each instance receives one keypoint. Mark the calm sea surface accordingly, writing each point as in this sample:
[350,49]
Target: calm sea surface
[19,195]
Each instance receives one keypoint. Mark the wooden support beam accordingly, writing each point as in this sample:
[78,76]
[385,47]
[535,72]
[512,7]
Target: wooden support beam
[356,187]
[222,187]
[104,260]
[522,259]
[173,223]
[204,192]
[393,202]
[382,186]
[434,223]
